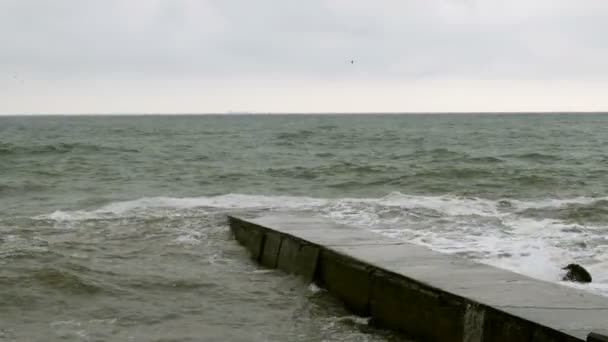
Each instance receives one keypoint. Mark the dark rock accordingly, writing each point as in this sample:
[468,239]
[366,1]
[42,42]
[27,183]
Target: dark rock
[576,273]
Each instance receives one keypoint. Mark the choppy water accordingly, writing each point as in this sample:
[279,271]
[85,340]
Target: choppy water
[113,228]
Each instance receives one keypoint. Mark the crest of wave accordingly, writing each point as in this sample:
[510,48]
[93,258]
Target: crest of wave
[490,231]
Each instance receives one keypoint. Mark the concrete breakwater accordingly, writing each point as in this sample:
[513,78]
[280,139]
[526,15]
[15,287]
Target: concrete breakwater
[427,295]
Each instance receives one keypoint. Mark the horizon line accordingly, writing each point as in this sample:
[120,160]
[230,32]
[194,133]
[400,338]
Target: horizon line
[243,113]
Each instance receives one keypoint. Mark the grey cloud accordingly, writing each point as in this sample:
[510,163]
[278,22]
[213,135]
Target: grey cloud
[389,39]
[291,55]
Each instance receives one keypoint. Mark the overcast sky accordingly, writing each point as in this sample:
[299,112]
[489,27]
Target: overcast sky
[202,56]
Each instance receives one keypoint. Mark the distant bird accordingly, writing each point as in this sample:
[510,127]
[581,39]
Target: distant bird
[352,62]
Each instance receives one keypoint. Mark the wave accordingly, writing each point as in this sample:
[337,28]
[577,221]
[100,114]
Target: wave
[501,232]
[155,282]
[531,180]
[337,169]
[301,134]
[455,173]
[65,281]
[439,154]
[583,211]
[535,156]
[23,186]
[324,155]
[228,202]
[58,148]
[445,204]
[327,127]
[486,160]
[596,212]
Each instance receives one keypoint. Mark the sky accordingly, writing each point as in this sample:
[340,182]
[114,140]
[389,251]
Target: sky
[217,56]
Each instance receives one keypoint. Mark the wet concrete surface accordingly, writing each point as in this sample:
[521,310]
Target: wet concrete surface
[425,294]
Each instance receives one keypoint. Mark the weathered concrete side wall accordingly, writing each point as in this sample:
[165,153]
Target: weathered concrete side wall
[397,300]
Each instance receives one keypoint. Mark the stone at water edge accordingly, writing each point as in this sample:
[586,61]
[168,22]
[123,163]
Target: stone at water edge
[576,273]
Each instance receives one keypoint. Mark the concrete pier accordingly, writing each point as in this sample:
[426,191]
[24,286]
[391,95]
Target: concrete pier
[427,295]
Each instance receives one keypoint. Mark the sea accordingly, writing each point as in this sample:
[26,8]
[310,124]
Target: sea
[113,228]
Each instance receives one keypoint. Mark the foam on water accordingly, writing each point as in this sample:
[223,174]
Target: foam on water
[555,203]
[313,288]
[481,229]
[153,206]
[236,201]
[189,238]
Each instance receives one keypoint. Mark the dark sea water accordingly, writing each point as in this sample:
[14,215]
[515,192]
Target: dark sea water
[113,228]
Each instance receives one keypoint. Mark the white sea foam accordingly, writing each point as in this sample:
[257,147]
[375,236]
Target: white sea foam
[151,205]
[354,320]
[230,201]
[555,203]
[313,288]
[190,238]
[66,323]
[448,205]
[489,231]
[62,216]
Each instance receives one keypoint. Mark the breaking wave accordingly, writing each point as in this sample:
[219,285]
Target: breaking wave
[535,238]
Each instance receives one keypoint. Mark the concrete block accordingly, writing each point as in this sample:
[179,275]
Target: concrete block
[307,262]
[347,278]
[238,230]
[271,248]
[248,235]
[474,319]
[254,244]
[419,312]
[386,304]
[502,327]
[298,258]
[544,334]
[427,295]
[595,337]
[288,255]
